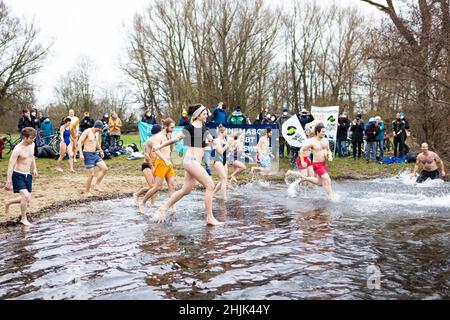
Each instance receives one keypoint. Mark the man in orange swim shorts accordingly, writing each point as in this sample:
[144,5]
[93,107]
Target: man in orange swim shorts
[163,166]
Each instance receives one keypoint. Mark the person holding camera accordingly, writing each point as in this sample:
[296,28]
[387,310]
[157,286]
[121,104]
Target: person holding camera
[357,129]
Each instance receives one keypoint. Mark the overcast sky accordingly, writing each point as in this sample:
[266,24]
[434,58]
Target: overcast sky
[94,28]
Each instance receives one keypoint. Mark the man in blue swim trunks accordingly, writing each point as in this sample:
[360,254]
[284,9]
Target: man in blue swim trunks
[19,177]
[91,158]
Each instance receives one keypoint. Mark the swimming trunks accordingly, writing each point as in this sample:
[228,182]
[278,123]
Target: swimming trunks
[145,165]
[320,168]
[305,160]
[424,175]
[91,159]
[162,170]
[21,181]
[265,162]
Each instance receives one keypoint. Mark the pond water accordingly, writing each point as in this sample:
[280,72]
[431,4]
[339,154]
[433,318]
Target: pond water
[379,239]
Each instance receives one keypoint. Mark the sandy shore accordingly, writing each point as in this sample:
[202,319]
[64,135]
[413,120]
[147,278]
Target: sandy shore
[51,195]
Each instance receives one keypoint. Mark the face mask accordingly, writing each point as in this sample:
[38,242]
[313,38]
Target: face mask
[114,117]
[148,114]
[33,114]
[285,113]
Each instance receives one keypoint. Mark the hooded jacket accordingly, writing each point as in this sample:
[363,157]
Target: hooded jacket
[342,129]
[357,129]
[47,128]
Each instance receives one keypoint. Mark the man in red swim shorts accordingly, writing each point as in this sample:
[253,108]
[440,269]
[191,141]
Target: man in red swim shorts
[321,152]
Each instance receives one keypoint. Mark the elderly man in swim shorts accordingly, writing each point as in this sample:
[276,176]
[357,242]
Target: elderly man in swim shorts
[321,152]
[429,161]
[90,157]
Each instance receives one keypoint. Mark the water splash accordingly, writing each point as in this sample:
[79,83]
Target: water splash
[292,189]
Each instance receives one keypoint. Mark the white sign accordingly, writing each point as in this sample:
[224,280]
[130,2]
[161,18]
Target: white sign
[329,117]
[292,132]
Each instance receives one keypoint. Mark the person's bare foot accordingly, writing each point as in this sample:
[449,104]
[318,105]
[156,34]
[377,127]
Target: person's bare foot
[233,179]
[72,170]
[98,189]
[213,221]
[141,207]
[86,193]
[25,222]
[162,214]
[75,160]
[59,169]
[135,198]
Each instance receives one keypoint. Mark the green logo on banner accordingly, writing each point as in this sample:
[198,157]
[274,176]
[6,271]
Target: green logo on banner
[331,119]
[291,131]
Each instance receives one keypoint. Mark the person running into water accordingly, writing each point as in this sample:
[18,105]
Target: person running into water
[66,145]
[19,178]
[236,152]
[303,160]
[429,161]
[163,165]
[195,137]
[148,166]
[263,150]
[90,157]
[220,161]
[321,152]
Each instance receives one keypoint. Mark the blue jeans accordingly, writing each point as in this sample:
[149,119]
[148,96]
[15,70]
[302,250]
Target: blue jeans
[342,147]
[207,159]
[380,148]
[371,150]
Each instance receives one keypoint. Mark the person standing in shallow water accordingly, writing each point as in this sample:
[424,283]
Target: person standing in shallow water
[321,152]
[90,157]
[195,137]
[19,177]
[429,161]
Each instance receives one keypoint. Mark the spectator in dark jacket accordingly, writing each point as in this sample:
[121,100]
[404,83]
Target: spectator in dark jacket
[357,130]
[371,131]
[341,138]
[149,118]
[399,130]
[220,116]
[282,143]
[87,122]
[25,120]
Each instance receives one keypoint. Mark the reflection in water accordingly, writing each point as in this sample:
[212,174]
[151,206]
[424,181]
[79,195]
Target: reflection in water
[273,246]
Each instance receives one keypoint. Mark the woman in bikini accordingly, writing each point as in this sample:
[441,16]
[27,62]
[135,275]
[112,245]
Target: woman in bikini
[65,145]
[195,136]
[220,161]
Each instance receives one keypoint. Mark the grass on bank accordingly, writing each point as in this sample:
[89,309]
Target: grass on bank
[339,168]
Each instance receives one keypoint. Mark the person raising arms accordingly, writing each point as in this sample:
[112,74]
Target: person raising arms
[195,136]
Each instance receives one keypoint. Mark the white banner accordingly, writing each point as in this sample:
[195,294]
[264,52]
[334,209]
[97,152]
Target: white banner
[329,117]
[292,132]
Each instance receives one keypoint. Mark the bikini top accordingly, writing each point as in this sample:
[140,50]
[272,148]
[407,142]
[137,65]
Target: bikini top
[195,137]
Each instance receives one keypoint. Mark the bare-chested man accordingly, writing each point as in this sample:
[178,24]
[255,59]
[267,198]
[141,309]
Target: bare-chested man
[263,149]
[163,166]
[429,161]
[148,166]
[90,157]
[321,152]
[19,177]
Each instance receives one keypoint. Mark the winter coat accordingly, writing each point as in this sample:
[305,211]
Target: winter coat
[47,128]
[381,131]
[25,122]
[342,129]
[357,130]
[237,118]
[305,119]
[220,116]
[149,120]
[282,119]
[86,123]
[371,132]
[184,121]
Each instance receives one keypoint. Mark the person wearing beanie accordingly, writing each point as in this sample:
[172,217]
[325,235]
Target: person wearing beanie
[237,117]
[220,116]
[184,120]
[282,142]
